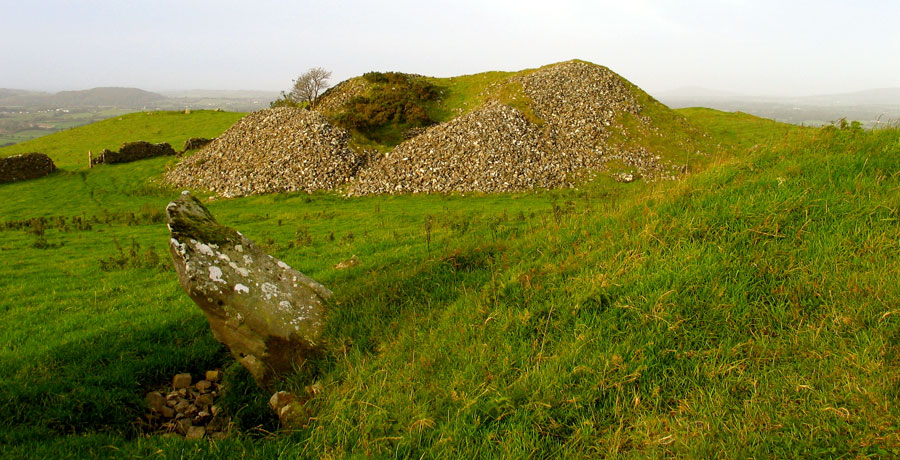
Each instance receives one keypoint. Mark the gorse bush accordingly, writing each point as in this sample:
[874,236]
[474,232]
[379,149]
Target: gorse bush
[420,88]
[396,100]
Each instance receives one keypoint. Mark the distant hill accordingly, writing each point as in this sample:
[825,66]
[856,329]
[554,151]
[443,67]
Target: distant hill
[7,92]
[697,92]
[68,148]
[26,115]
[111,97]
[130,98]
[135,99]
[234,100]
[871,107]
[222,94]
[876,97]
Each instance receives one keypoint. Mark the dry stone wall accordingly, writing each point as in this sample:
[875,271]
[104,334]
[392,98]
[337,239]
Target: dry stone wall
[25,166]
[195,143]
[133,151]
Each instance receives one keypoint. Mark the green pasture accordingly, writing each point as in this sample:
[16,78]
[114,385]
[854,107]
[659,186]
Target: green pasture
[749,309]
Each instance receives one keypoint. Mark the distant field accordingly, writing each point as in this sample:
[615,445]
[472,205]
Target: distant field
[748,310]
[69,149]
[20,127]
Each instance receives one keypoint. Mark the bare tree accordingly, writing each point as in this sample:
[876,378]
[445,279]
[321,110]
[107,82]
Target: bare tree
[309,84]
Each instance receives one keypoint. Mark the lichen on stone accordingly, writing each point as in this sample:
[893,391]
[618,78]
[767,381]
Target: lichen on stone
[270,323]
[192,220]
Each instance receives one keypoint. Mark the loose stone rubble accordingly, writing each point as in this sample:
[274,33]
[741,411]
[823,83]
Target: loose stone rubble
[469,153]
[187,409]
[349,263]
[578,102]
[274,150]
[290,409]
[268,314]
[25,166]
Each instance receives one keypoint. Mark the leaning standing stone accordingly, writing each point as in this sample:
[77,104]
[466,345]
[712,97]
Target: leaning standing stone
[268,314]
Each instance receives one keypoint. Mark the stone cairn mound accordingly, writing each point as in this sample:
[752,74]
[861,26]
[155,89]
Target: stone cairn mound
[496,148]
[579,103]
[133,151]
[25,166]
[187,409]
[274,150]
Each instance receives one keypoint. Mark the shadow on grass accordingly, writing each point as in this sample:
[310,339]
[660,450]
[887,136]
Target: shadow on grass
[98,384]
[371,305]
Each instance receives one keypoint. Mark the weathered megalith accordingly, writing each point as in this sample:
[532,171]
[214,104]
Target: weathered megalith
[270,315]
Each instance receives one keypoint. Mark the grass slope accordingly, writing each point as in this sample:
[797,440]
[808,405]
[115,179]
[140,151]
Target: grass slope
[69,149]
[749,310]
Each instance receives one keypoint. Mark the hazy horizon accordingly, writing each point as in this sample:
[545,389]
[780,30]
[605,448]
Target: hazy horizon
[766,48]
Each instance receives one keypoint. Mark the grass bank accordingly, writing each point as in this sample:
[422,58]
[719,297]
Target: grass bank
[748,310]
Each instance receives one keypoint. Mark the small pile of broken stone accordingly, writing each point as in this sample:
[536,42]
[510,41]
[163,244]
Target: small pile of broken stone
[188,409]
[274,150]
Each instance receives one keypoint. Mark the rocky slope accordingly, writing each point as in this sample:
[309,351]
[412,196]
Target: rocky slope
[273,150]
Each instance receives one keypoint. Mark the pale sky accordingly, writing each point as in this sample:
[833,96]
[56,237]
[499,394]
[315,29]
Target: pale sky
[763,47]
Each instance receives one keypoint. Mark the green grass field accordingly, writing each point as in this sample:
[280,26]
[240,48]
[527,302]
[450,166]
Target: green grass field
[51,120]
[69,149]
[748,310]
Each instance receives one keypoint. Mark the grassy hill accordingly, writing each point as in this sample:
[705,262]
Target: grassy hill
[747,310]
[69,149]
